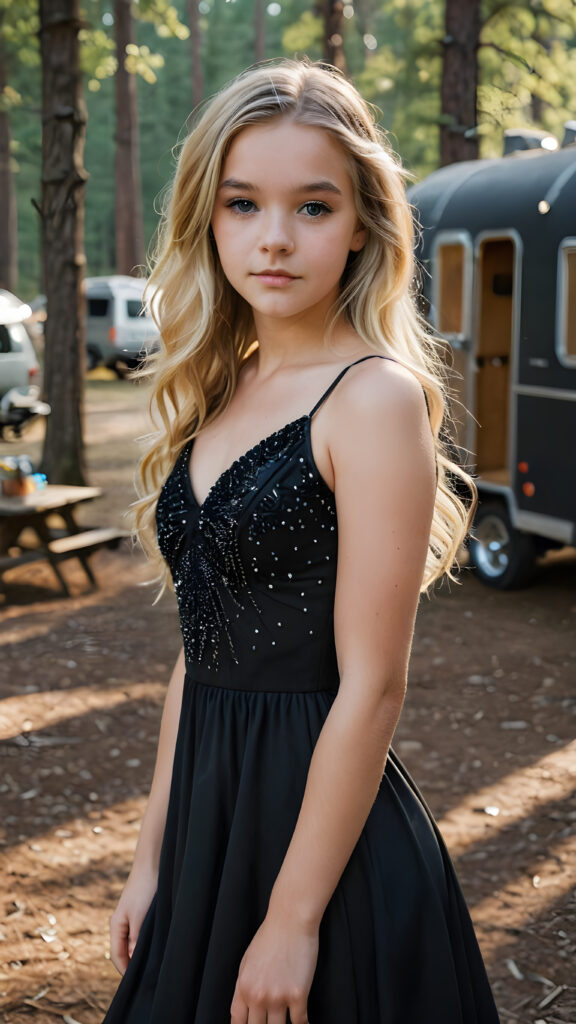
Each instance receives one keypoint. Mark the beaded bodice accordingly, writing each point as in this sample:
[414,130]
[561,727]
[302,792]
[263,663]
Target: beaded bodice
[254,566]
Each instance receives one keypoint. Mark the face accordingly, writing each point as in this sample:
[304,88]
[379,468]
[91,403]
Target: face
[284,219]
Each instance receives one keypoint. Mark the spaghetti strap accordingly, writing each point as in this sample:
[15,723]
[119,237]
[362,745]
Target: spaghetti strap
[341,374]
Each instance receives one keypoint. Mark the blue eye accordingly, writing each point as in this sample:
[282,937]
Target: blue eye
[239,205]
[316,209]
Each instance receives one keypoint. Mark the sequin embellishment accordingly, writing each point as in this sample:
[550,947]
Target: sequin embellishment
[200,542]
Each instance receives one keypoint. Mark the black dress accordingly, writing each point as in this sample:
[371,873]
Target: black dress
[254,569]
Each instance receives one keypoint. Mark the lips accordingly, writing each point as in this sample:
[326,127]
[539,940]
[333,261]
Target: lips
[275,273]
[275,278]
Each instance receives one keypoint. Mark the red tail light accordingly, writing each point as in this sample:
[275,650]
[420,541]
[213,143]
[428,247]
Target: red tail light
[32,371]
[112,335]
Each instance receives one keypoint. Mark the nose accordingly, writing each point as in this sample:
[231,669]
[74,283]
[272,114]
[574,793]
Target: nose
[276,236]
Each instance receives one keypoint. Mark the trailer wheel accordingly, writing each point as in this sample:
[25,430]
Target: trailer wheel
[504,558]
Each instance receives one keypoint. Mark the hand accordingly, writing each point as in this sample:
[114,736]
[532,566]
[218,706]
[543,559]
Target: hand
[275,975]
[126,920]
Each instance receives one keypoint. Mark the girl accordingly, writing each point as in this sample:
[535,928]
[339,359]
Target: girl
[298,492]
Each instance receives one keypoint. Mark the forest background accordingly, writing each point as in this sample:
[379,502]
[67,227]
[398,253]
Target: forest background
[392,49]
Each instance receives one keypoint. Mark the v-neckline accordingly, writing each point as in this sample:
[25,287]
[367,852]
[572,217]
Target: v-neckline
[306,418]
[187,453]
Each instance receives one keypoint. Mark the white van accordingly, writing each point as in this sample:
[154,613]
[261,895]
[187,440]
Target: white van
[118,331]
[18,363]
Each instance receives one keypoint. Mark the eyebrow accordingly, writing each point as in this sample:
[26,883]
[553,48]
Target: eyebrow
[314,186]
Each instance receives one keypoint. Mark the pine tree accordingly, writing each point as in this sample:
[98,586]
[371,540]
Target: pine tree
[459,86]
[129,227]
[62,215]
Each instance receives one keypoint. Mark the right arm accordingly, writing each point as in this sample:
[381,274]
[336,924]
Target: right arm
[142,882]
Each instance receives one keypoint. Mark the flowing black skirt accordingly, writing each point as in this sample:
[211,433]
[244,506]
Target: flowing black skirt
[396,942]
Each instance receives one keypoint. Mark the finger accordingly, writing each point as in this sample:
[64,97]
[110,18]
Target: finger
[278,1016]
[119,932]
[238,1009]
[119,957]
[257,1015]
[298,1013]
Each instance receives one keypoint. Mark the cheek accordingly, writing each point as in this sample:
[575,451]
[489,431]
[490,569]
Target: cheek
[227,246]
[334,239]
[333,250]
[222,228]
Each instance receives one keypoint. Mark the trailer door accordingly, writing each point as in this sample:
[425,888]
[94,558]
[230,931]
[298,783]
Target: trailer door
[493,351]
[452,256]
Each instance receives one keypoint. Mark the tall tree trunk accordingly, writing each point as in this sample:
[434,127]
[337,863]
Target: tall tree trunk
[259,30]
[460,81]
[8,220]
[129,229]
[195,52]
[331,11]
[62,213]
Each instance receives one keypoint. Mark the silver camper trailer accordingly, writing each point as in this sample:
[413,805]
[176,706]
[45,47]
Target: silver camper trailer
[498,250]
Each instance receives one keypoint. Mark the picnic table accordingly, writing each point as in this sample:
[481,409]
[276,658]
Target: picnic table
[48,515]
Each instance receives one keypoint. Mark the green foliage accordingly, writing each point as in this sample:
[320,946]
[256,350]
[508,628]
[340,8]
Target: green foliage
[99,49]
[20,23]
[140,61]
[9,99]
[164,16]
[304,36]
[527,66]
[98,58]
[402,77]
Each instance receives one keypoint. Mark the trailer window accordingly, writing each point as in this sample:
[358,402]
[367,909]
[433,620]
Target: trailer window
[569,297]
[450,284]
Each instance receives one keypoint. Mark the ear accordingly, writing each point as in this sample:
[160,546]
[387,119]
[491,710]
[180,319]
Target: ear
[359,239]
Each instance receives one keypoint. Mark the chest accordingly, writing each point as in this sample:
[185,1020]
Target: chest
[272,498]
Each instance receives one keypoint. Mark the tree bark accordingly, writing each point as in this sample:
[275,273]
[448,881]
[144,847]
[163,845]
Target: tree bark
[195,52]
[460,81]
[62,214]
[8,218]
[331,11]
[129,227]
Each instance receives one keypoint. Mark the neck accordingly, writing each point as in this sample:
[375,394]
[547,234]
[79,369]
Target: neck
[298,341]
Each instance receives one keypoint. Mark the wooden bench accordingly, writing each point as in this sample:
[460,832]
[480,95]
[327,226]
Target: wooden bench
[32,555]
[81,545]
[76,545]
[86,540]
[34,513]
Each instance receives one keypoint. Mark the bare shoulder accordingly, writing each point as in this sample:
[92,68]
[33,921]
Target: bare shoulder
[376,395]
[375,420]
[380,441]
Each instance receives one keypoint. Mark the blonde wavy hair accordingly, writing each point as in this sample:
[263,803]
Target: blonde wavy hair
[207,328]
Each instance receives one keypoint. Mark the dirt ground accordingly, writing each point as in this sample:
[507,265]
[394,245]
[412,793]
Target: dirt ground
[487,732]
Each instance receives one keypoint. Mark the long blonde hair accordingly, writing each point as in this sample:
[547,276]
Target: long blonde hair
[207,328]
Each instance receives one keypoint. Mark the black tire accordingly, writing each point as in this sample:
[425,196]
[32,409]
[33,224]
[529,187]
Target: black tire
[503,557]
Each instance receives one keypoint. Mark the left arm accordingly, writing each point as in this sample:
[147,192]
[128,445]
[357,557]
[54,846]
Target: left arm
[383,457]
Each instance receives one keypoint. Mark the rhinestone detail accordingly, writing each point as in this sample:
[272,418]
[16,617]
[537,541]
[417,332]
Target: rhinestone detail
[201,541]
